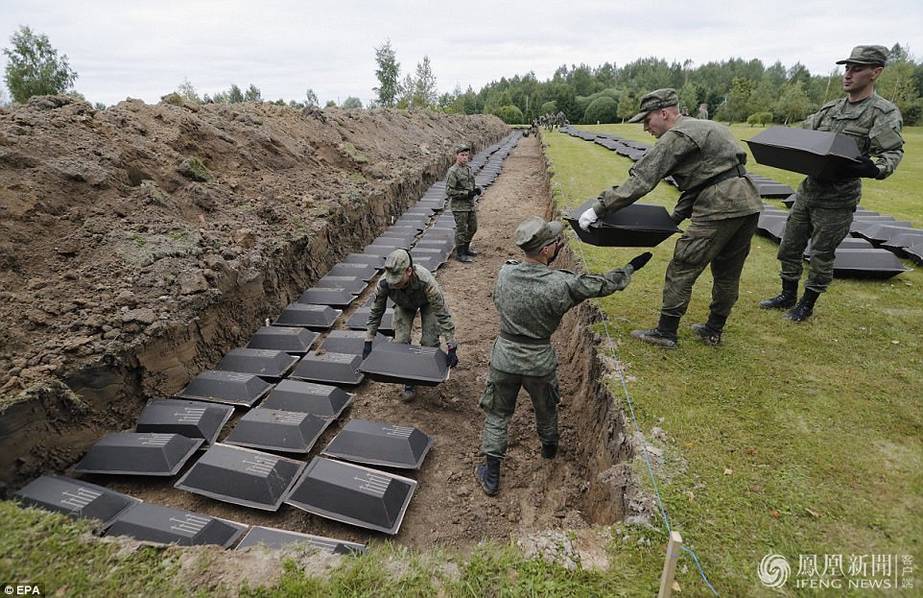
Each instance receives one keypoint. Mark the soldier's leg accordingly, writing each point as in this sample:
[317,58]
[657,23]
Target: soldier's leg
[472,229]
[545,394]
[798,229]
[831,225]
[461,226]
[498,403]
[726,268]
[430,326]
[403,324]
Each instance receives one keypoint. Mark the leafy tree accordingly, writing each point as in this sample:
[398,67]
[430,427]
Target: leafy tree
[602,110]
[330,104]
[351,103]
[549,107]
[738,101]
[235,95]
[793,104]
[759,118]
[310,98]
[34,67]
[188,92]
[252,94]
[424,85]
[628,106]
[511,115]
[388,72]
[405,92]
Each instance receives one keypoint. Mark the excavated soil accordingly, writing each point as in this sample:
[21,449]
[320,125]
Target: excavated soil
[590,481]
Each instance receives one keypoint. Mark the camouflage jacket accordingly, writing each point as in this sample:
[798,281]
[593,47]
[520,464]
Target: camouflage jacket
[875,124]
[458,183]
[532,299]
[692,152]
[422,290]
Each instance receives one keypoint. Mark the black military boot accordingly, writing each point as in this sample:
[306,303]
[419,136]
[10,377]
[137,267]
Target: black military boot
[785,299]
[488,474]
[550,450]
[461,255]
[710,332]
[470,251]
[664,335]
[805,307]
[409,393]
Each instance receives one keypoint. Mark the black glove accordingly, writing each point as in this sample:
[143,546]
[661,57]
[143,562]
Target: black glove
[478,191]
[366,349]
[863,168]
[471,194]
[638,262]
[452,356]
[677,218]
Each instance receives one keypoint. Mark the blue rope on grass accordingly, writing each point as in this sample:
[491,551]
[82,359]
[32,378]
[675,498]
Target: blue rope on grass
[647,460]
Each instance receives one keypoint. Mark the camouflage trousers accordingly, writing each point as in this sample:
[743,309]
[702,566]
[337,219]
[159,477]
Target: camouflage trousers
[466,224]
[499,403]
[403,325]
[723,244]
[826,228]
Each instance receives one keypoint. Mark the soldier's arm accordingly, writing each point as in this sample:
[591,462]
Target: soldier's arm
[437,303]
[454,188]
[656,163]
[887,147]
[585,286]
[379,304]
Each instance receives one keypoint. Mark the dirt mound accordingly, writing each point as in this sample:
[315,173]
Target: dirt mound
[127,234]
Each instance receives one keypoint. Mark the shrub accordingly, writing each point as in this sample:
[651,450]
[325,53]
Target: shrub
[759,118]
[603,110]
[511,115]
[549,108]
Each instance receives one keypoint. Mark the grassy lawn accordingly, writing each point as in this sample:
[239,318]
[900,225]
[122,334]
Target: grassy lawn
[796,439]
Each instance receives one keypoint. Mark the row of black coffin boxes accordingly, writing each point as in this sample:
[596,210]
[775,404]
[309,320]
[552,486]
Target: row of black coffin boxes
[291,419]
[633,150]
[871,251]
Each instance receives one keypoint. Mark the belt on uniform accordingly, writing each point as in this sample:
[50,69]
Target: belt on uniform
[687,199]
[524,340]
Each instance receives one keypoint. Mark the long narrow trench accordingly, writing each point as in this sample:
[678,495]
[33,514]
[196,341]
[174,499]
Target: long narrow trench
[449,508]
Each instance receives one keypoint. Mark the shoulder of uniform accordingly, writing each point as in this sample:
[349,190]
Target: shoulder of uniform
[882,104]
[831,104]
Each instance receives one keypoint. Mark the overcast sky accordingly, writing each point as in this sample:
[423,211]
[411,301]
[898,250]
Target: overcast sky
[144,49]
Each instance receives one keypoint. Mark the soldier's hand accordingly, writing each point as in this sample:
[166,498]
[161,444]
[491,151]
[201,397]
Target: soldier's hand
[452,356]
[863,168]
[366,349]
[471,194]
[478,191]
[639,261]
[677,218]
[587,218]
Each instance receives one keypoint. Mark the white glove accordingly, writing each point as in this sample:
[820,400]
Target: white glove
[587,218]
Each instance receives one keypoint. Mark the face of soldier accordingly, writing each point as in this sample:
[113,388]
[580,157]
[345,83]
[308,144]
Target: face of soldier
[552,250]
[461,158]
[405,279]
[859,77]
[656,123]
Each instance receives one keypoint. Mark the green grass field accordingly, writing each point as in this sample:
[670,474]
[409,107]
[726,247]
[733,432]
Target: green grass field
[798,439]
[790,439]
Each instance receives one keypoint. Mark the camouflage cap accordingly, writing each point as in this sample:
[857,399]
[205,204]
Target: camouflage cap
[657,99]
[398,261]
[462,147]
[533,233]
[867,55]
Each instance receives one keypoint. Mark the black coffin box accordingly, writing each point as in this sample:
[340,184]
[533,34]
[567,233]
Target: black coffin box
[278,430]
[278,538]
[815,153]
[847,243]
[877,231]
[329,368]
[349,341]
[291,339]
[193,419]
[242,477]
[153,523]
[772,225]
[353,284]
[317,399]
[138,453]
[267,363]
[340,298]
[233,388]
[772,189]
[359,320]
[638,225]
[866,263]
[353,494]
[406,364]
[380,443]
[80,500]
[315,317]
[360,265]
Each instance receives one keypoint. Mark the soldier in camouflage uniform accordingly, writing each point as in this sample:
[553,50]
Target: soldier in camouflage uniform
[412,288]
[708,166]
[823,210]
[461,191]
[532,298]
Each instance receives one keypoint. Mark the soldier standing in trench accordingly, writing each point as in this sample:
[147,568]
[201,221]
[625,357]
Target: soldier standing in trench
[532,298]
[412,288]
[708,165]
[461,190]
[823,209]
